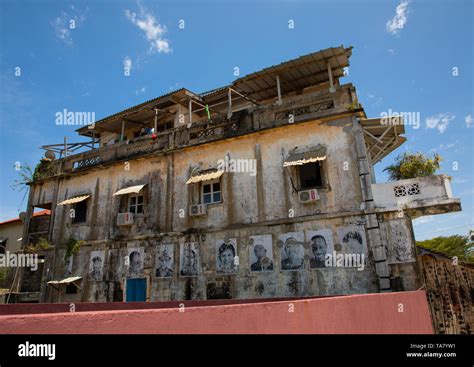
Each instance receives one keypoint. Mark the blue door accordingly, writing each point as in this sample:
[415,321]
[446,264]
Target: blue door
[136,290]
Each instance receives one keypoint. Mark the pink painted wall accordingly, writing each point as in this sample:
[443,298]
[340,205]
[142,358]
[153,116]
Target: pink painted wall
[356,314]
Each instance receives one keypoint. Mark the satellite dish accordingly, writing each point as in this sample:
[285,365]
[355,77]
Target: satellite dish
[22,216]
[50,154]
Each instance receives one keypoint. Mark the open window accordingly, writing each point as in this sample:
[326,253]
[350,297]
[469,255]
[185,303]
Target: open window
[307,167]
[79,204]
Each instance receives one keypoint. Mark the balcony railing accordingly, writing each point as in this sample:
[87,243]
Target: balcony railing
[414,193]
[302,108]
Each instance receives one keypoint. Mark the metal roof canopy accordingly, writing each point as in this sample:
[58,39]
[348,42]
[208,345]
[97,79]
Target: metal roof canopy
[141,112]
[129,190]
[296,74]
[296,158]
[383,136]
[74,200]
[204,175]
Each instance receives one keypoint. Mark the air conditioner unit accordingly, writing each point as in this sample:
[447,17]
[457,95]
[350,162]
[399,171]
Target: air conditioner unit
[198,209]
[124,219]
[308,196]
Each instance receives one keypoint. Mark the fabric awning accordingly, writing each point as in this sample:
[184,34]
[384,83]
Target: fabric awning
[299,158]
[64,281]
[205,175]
[130,190]
[74,200]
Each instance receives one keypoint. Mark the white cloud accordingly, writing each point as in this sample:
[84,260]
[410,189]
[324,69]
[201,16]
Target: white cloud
[140,91]
[469,120]
[396,24]
[153,30]
[67,23]
[440,121]
[391,51]
[127,63]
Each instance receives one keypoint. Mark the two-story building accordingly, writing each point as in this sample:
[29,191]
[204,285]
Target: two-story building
[261,188]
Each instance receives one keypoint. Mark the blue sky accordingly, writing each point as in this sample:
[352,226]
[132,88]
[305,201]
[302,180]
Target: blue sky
[403,59]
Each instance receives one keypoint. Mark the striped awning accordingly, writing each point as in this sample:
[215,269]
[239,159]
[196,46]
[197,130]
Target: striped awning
[130,190]
[74,200]
[299,158]
[205,175]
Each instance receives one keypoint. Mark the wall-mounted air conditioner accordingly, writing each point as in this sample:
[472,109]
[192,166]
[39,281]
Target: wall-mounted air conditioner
[198,209]
[308,196]
[124,219]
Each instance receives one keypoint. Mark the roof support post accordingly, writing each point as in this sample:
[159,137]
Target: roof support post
[331,81]
[190,111]
[155,126]
[229,106]
[65,146]
[122,134]
[279,101]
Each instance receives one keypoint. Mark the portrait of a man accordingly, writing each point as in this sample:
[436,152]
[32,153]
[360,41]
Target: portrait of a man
[261,253]
[164,261]
[96,265]
[189,260]
[321,245]
[292,251]
[226,251]
[135,257]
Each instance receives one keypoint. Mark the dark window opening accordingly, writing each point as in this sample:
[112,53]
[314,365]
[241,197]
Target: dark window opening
[310,175]
[80,212]
[163,127]
[71,289]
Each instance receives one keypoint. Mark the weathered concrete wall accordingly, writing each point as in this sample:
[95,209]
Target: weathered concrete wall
[360,314]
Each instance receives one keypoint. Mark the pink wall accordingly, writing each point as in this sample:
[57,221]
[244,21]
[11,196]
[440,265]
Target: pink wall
[358,314]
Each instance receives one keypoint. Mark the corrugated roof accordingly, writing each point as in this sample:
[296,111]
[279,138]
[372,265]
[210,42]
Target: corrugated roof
[65,281]
[37,214]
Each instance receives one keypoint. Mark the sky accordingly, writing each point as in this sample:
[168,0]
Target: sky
[408,56]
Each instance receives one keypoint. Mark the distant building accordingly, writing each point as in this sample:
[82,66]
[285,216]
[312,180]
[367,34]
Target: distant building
[177,197]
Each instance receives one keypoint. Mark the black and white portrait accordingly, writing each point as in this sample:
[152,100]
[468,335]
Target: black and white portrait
[189,259]
[164,261]
[226,252]
[320,244]
[96,265]
[135,262]
[352,239]
[261,253]
[400,244]
[292,250]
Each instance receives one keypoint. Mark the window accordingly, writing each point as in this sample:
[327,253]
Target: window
[80,212]
[71,288]
[135,204]
[310,175]
[211,192]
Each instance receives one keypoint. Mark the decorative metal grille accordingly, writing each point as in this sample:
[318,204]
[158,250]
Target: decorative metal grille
[406,190]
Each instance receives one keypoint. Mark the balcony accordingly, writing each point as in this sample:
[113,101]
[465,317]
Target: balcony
[419,196]
[316,105]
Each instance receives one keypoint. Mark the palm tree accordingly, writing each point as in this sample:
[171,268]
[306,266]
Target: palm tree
[411,165]
[27,176]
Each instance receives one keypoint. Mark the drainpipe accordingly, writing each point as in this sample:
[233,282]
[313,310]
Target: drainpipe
[377,247]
